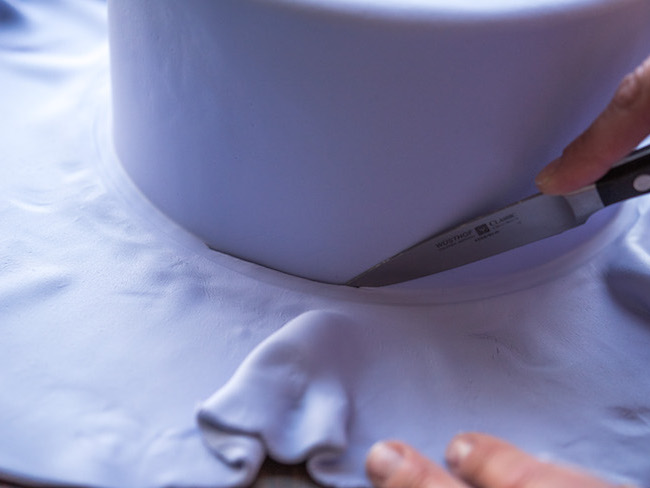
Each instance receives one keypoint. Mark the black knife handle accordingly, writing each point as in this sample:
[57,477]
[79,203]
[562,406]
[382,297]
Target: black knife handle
[630,178]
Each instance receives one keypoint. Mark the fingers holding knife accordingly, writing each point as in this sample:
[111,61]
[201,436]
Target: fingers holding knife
[623,124]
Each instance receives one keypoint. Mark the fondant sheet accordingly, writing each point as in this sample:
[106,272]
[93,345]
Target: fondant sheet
[133,355]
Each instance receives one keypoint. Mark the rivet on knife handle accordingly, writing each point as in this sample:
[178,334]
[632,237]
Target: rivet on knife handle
[629,179]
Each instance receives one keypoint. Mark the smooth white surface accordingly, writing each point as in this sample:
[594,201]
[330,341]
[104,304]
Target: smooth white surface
[467,9]
[320,141]
[117,325]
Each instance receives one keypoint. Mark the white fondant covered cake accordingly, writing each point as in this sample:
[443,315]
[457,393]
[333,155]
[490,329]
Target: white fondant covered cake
[319,137]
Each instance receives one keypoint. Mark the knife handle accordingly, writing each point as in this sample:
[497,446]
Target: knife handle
[629,178]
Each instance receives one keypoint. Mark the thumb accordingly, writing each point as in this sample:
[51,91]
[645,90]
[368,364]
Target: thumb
[623,124]
[394,464]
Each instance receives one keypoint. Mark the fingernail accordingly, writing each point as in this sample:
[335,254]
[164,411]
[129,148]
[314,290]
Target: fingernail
[545,176]
[457,452]
[383,462]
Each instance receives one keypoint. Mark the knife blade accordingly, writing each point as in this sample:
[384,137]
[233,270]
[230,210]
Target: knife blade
[532,219]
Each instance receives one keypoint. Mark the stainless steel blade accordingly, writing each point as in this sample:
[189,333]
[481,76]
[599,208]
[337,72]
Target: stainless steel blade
[529,220]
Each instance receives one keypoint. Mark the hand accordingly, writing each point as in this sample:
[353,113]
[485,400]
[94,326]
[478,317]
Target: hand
[475,461]
[617,131]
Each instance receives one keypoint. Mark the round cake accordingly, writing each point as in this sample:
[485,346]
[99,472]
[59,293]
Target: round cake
[319,137]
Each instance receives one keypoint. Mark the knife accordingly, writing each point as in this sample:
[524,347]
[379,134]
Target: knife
[532,219]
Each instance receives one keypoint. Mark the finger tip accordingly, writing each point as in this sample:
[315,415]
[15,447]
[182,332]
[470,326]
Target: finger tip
[549,188]
[459,449]
[383,460]
[546,180]
[553,180]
